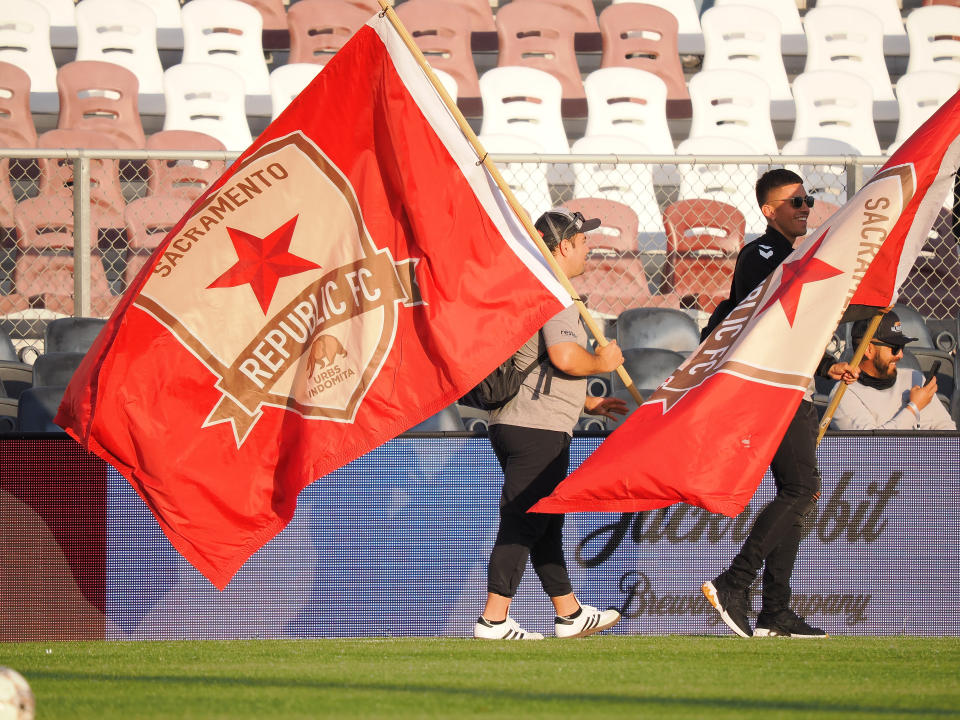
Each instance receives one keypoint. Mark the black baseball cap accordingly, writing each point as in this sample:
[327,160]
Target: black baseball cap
[559,224]
[890,331]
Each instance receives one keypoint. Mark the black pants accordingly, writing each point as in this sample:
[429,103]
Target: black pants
[774,540]
[534,462]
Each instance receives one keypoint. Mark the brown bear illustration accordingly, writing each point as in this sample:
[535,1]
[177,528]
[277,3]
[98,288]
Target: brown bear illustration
[323,351]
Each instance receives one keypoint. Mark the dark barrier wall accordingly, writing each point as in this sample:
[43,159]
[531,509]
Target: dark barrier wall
[396,543]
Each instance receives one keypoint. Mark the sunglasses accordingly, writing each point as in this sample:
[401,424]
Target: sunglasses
[894,349]
[796,202]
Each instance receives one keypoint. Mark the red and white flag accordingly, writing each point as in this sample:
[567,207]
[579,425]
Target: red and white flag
[353,273]
[707,435]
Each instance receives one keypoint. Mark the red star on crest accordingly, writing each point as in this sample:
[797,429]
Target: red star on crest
[798,273]
[263,261]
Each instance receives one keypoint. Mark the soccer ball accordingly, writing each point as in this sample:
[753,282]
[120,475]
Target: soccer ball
[16,698]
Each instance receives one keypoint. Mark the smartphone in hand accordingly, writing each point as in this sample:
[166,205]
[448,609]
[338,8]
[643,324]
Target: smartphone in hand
[929,374]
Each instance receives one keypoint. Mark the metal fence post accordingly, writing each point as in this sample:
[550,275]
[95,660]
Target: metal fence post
[854,176]
[82,242]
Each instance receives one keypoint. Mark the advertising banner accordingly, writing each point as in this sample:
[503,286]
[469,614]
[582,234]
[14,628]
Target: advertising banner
[396,543]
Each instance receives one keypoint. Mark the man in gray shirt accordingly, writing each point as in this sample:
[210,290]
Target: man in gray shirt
[531,438]
[887,397]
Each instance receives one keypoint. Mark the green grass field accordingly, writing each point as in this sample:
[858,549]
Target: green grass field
[601,676]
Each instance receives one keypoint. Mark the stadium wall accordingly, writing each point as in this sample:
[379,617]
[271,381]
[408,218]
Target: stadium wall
[396,544]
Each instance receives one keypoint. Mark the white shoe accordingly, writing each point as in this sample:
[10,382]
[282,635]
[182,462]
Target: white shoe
[506,630]
[589,621]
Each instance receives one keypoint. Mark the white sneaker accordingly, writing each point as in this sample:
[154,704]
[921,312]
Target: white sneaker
[506,630]
[589,621]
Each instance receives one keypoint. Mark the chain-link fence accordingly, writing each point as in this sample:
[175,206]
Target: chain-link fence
[77,226]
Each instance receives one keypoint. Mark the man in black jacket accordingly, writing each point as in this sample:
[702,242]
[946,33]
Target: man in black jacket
[774,540]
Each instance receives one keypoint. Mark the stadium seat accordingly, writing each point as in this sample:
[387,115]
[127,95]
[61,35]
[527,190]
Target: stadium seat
[71,334]
[37,407]
[703,239]
[124,33]
[9,409]
[288,81]
[825,182]
[183,178]
[318,28]
[15,375]
[735,38]
[17,129]
[25,42]
[836,105]
[55,368]
[665,328]
[628,102]
[226,33]
[913,325]
[583,10]
[209,99]
[46,221]
[849,39]
[644,37]
[934,36]
[62,13]
[537,34]
[172,188]
[524,101]
[730,184]
[685,12]
[100,96]
[442,32]
[529,183]
[614,278]
[368,6]
[734,104]
[45,225]
[47,279]
[784,10]
[273,13]
[481,15]
[168,14]
[919,95]
[630,184]
[886,11]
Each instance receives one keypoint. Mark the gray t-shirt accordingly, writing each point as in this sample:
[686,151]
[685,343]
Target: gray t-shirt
[548,399]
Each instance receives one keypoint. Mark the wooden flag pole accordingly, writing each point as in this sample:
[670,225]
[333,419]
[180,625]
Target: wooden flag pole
[855,362]
[518,210]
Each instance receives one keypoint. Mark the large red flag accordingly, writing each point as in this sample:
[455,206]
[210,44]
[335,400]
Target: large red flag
[354,272]
[707,435]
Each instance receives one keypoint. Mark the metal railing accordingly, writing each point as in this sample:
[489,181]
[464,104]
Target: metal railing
[75,189]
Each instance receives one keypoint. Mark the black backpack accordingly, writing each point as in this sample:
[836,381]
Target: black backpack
[499,387]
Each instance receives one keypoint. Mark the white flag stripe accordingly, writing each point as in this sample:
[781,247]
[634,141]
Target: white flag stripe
[927,212]
[460,149]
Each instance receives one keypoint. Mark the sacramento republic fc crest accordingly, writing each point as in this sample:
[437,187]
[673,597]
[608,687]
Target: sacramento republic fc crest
[288,303]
